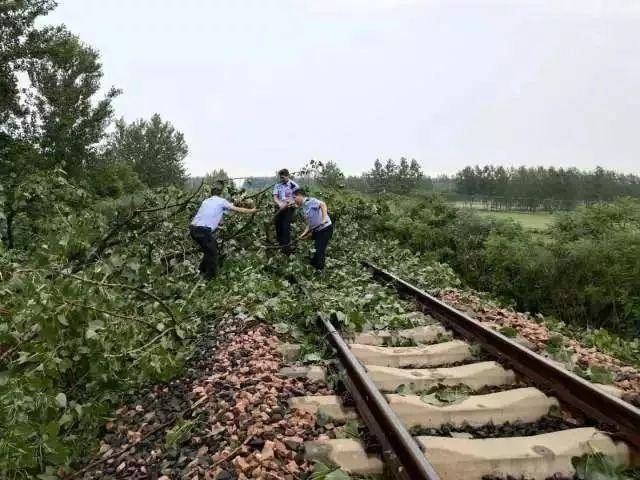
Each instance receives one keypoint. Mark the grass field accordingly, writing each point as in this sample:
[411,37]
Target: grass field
[533,221]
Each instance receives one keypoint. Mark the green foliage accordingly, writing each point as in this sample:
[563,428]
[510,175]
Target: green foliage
[508,332]
[65,78]
[109,179]
[597,466]
[398,178]
[17,44]
[585,272]
[596,374]
[444,395]
[178,433]
[76,342]
[108,299]
[547,188]
[627,350]
[154,149]
[327,472]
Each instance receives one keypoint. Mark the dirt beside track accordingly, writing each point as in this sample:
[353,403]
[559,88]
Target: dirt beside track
[232,419]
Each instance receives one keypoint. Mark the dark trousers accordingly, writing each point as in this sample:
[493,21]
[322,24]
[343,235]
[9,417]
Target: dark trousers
[321,240]
[283,225]
[206,240]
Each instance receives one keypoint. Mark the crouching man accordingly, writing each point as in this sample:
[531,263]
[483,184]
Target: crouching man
[203,229]
[319,225]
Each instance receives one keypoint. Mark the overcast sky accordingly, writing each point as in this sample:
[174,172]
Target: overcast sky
[258,85]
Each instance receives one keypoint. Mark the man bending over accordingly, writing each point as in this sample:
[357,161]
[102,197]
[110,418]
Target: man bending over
[319,225]
[204,225]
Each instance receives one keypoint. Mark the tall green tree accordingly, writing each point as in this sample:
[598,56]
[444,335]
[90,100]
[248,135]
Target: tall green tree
[330,175]
[17,45]
[65,80]
[154,148]
[51,123]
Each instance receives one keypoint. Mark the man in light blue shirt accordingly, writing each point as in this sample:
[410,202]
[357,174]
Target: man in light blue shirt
[203,229]
[283,198]
[319,226]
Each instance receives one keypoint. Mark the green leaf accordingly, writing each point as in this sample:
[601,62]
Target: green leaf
[282,327]
[555,411]
[313,357]
[441,396]
[403,390]
[93,327]
[508,332]
[554,343]
[61,400]
[322,418]
[598,374]
[432,399]
[596,466]
[64,419]
[337,475]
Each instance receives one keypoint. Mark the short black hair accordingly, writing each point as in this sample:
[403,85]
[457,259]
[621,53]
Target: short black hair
[216,188]
[283,171]
[299,191]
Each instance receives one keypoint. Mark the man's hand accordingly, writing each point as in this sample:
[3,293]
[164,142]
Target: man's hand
[306,234]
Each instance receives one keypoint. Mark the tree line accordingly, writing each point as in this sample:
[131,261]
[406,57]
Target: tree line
[550,188]
[54,125]
[391,177]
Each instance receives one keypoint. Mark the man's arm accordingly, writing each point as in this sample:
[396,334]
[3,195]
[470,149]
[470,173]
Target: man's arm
[233,208]
[323,207]
[304,234]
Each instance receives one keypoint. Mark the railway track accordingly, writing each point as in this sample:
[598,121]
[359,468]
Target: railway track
[504,394]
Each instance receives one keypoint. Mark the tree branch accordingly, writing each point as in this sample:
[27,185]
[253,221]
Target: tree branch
[164,306]
[113,314]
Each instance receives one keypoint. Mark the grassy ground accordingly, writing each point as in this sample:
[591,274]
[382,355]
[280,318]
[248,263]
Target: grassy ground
[533,221]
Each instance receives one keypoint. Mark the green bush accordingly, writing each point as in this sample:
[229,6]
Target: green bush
[585,271]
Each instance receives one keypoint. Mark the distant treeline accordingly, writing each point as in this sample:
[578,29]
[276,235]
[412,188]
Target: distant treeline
[524,188]
[543,188]
[400,177]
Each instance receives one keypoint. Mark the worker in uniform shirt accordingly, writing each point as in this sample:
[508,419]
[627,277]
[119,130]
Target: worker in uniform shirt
[319,226]
[283,197]
[204,225]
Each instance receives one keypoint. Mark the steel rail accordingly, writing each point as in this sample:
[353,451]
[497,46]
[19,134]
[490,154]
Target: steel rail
[401,453]
[596,404]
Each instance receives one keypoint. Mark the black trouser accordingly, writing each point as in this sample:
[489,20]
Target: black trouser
[206,240]
[283,225]
[321,240]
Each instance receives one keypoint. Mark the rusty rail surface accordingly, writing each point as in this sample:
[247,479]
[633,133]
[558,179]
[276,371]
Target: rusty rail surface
[619,417]
[401,453]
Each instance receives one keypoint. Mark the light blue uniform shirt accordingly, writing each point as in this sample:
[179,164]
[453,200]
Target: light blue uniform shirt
[210,212]
[284,191]
[313,213]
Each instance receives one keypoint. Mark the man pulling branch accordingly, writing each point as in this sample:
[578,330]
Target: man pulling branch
[319,226]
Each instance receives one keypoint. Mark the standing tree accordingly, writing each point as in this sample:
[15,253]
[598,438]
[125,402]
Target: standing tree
[64,79]
[415,173]
[53,123]
[16,46]
[377,176]
[330,175]
[154,148]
